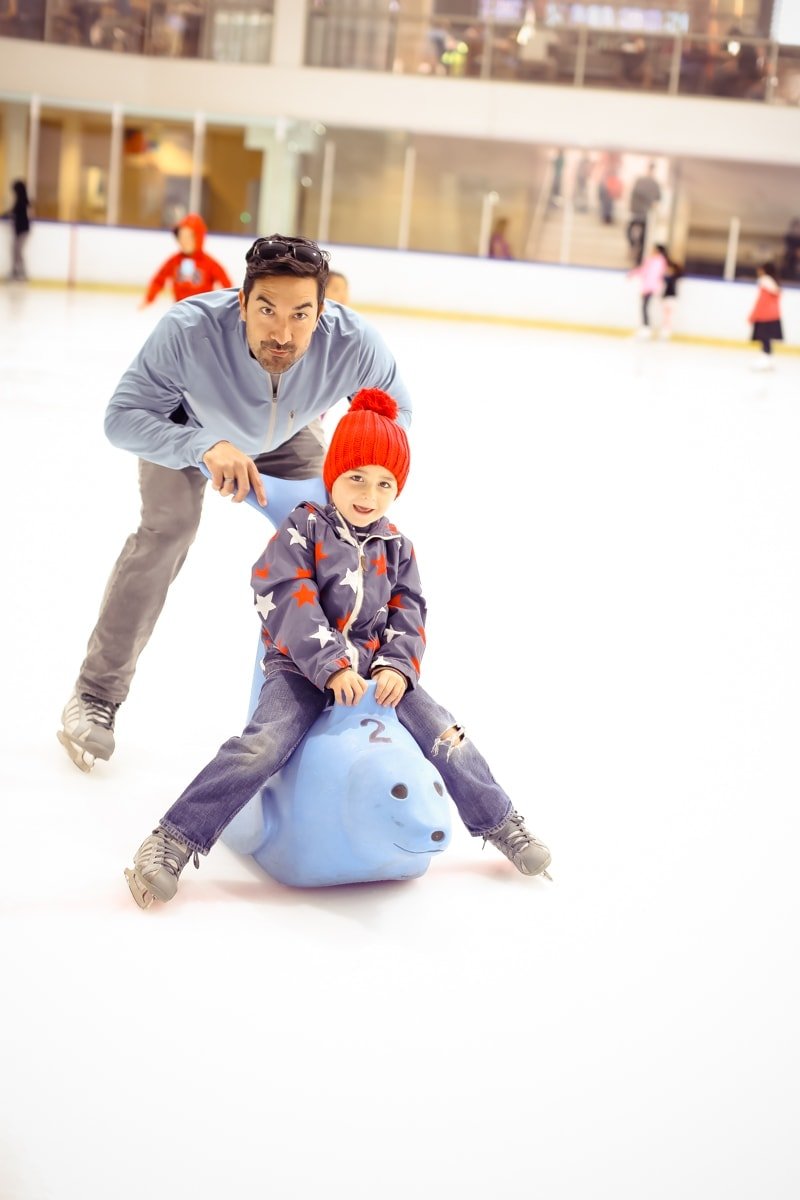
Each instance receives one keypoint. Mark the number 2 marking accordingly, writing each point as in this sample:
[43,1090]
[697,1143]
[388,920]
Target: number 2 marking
[379,728]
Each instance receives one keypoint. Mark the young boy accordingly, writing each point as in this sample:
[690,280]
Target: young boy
[339,596]
[191,271]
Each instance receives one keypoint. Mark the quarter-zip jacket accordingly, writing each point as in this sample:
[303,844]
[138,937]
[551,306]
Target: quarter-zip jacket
[197,359]
[328,600]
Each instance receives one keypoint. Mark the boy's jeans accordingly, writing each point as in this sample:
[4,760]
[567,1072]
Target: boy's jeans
[287,708]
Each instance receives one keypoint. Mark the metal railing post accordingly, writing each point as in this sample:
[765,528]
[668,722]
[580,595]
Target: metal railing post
[406,199]
[729,270]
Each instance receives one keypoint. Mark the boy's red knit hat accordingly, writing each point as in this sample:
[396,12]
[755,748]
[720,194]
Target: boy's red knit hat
[368,434]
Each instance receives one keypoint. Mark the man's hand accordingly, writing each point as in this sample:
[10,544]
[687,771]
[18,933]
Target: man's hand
[390,686]
[347,686]
[233,473]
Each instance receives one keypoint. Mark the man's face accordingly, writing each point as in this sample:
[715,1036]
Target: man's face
[280,315]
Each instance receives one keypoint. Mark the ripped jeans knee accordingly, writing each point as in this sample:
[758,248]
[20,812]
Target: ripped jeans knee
[450,740]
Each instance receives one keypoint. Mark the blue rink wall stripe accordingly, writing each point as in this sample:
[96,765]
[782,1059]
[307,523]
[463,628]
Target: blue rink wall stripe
[425,314]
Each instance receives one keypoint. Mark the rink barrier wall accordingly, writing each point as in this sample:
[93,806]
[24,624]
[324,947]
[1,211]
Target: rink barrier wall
[420,285]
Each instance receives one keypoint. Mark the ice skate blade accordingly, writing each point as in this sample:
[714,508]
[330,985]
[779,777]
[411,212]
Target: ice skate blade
[82,758]
[139,892]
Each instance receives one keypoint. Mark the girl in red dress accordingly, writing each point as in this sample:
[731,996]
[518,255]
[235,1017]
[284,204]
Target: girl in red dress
[765,315]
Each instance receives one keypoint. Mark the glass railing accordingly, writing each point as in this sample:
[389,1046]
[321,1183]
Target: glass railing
[672,60]
[674,63]
[221,30]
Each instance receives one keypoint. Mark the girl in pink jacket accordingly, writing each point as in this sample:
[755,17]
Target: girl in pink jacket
[650,274]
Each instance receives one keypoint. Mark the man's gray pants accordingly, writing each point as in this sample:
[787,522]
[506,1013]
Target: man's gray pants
[151,558]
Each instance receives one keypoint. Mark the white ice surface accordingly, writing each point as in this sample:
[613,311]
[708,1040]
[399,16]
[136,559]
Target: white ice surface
[609,538]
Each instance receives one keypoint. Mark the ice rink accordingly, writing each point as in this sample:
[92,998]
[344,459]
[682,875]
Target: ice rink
[608,533]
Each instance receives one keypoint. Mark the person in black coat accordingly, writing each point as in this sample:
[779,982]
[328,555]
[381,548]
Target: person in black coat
[20,216]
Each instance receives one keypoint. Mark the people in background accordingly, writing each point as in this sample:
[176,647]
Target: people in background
[765,315]
[635,67]
[555,199]
[498,242]
[650,274]
[337,288]
[19,214]
[583,173]
[191,271]
[609,190]
[669,297]
[645,195]
[790,267]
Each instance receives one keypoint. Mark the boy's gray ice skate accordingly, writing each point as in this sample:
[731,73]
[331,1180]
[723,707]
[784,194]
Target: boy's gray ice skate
[157,865]
[527,853]
[88,729]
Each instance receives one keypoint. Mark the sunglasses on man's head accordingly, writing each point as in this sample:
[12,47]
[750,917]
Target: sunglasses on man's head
[271,248]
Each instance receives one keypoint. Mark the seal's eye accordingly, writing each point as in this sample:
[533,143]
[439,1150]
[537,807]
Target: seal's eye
[400,791]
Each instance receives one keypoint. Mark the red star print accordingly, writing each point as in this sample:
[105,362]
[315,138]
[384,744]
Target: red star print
[421,633]
[304,595]
[342,621]
[319,553]
[302,573]
[415,664]
[373,643]
[379,564]
[261,572]
[396,601]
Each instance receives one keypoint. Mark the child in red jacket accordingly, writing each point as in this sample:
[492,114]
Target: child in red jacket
[191,271]
[766,315]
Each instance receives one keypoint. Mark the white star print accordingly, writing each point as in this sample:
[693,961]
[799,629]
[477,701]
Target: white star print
[350,580]
[392,633]
[323,635]
[264,605]
[296,538]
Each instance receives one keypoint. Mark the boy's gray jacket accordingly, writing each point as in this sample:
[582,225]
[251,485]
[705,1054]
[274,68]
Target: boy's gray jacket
[327,602]
[197,358]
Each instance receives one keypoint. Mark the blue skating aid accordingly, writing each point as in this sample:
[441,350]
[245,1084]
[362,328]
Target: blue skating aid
[357,802]
[283,495]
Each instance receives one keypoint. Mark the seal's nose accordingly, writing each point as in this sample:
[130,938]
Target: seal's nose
[437,835]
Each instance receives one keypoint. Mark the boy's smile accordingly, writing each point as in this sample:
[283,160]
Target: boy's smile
[364,494]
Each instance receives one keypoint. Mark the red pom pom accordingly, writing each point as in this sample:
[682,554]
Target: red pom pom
[374,400]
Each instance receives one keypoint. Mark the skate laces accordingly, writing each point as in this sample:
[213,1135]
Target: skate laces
[512,836]
[99,712]
[161,850]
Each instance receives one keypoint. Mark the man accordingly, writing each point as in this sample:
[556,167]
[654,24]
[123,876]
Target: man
[645,195]
[235,381]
